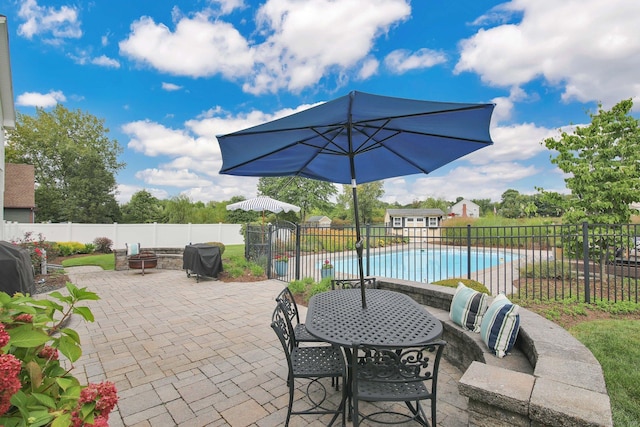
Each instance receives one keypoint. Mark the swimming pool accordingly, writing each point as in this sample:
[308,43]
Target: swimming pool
[426,265]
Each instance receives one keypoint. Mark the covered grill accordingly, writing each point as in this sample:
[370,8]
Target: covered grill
[16,271]
[202,259]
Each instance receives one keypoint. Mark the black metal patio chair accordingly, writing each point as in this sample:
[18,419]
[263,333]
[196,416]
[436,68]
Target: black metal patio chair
[369,283]
[310,363]
[395,374]
[291,309]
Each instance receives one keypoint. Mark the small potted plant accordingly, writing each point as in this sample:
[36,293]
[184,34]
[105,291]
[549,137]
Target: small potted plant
[327,269]
[281,263]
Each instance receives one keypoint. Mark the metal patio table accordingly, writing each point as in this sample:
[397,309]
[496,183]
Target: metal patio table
[390,318]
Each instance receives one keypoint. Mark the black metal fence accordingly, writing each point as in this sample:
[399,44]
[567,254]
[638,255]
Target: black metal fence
[587,262]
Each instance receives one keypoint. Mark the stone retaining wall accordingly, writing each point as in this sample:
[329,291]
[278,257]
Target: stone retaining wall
[168,258]
[550,379]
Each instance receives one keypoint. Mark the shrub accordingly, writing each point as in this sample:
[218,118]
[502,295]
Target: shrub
[453,283]
[103,244]
[70,248]
[89,248]
[218,244]
[36,387]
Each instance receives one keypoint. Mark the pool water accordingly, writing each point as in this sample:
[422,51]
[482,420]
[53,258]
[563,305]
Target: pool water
[426,265]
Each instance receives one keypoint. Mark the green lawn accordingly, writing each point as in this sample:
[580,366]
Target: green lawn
[106,261]
[616,345]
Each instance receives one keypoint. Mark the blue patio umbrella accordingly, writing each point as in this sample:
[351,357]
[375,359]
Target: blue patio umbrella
[359,138]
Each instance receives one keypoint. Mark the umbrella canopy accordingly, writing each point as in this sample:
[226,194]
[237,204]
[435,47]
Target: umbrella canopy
[361,138]
[263,203]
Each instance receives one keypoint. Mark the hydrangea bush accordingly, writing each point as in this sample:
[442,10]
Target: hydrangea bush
[36,386]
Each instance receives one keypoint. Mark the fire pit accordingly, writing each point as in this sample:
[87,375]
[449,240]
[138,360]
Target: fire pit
[143,260]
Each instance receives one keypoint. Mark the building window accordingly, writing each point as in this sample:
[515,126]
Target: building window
[397,222]
[433,222]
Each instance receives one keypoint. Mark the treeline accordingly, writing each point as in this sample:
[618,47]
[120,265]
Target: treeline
[145,208]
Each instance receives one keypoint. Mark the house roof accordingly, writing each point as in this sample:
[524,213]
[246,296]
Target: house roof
[19,186]
[415,212]
[465,201]
[317,218]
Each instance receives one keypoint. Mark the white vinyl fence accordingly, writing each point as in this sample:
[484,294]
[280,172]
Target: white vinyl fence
[148,235]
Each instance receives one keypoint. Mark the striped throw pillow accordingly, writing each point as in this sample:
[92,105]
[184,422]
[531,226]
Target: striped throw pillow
[500,326]
[467,308]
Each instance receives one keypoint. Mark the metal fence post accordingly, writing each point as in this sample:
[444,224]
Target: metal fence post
[468,251]
[297,268]
[585,258]
[269,249]
[368,255]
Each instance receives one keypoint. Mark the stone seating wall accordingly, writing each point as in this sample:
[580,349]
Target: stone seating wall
[550,378]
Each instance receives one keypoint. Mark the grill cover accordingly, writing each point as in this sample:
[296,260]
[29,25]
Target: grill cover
[202,259]
[16,271]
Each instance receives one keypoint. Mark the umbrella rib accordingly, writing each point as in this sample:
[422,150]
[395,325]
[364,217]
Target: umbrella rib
[425,113]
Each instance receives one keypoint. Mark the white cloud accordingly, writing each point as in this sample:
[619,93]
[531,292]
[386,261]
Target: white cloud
[516,142]
[154,139]
[228,6]
[587,48]
[295,46]
[44,100]
[170,87]
[197,48]
[61,23]
[305,40]
[125,192]
[369,68]
[401,60]
[105,61]
[174,178]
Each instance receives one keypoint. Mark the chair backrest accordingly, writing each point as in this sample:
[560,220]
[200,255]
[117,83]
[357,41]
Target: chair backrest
[369,283]
[284,330]
[398,364]
[289,304]
[132,248]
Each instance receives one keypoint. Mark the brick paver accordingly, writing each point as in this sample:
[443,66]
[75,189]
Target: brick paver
[198,354]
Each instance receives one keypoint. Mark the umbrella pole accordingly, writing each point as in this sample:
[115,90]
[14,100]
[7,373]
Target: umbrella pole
[359,243]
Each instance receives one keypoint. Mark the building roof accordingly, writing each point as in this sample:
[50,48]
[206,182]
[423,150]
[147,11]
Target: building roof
[465,201]
[19,186]
[317,218]
[415,212]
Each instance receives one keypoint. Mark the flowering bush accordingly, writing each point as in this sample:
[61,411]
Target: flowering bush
[282,258]
[327,264]
[37,248]
[36,387]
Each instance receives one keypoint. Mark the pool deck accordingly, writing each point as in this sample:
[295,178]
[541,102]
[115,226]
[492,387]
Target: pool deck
[183,353]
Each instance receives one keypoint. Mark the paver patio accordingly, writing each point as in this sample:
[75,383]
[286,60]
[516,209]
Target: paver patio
[183,353]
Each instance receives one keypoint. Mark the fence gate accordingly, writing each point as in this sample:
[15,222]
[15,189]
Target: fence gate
[272,246]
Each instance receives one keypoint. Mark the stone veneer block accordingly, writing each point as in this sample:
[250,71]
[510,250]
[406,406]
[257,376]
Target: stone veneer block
[557,404]
[485,415]
[572,372]
[497,387]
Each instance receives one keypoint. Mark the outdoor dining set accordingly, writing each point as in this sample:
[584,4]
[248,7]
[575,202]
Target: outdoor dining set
[387,350]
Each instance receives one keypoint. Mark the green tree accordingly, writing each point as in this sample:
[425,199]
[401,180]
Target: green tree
[142,208]
[512,205]
[309,194]
[603,163]
[178,210]
[75,164]
[368,200]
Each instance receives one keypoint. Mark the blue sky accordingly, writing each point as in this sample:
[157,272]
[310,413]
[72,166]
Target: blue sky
[168,76]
